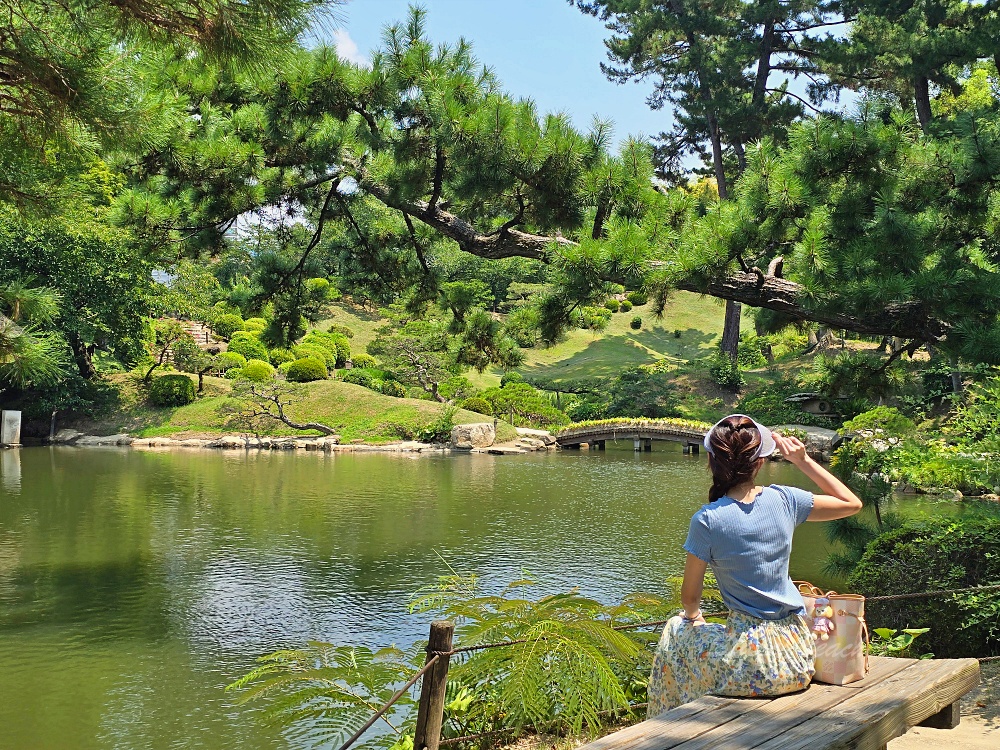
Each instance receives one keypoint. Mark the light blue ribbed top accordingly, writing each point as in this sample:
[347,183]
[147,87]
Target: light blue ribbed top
[747,545]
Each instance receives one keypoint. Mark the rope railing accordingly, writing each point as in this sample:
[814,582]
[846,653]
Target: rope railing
[391,702]
[434,655]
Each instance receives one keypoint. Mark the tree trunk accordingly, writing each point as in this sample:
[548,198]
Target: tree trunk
[720,173]
[81,355]
[921,88]
[957,386]
[731,330]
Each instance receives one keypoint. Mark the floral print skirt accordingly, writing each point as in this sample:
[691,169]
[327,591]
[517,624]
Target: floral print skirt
[746,657]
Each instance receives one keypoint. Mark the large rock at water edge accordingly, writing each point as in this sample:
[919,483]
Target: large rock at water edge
[475,435]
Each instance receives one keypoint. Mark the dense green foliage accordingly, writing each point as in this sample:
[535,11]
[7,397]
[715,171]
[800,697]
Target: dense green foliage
[257,370]
[935,556]
[305,370]
[477,404]
[171,390]
[568,666]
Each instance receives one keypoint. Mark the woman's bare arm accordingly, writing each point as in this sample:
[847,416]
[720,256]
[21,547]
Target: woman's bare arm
[694,584]
[838,502]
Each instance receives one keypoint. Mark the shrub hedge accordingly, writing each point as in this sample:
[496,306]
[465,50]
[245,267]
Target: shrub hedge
[392,388]
[636,323]
[478,405]
[171,390]
[227,324]
[257,370]
[249,346]
[364,360]
[306,370]
[638,298]
[937,555]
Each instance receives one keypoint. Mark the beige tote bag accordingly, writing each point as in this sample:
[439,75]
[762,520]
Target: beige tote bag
[842,656]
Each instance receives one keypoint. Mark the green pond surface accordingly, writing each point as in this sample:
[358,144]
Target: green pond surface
[135,585]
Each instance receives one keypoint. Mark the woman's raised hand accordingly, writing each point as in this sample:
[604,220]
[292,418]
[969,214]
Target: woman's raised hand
[793,449]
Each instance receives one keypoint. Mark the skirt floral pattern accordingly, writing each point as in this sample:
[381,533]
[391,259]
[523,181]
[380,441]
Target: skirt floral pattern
[746,657]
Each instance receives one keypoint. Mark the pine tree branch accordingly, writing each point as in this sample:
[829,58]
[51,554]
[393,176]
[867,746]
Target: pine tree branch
[907,320]
[509,243]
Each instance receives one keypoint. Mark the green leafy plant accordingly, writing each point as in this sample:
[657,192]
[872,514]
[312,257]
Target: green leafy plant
[360,377]
[476,404]
[227,324]
[725,373]
[636,323]
[567,664]
[889,642]
[325,693]
[439,431]
[363,360]
[248,346]
[392,388]
[257,371]
[638,299]
[305,370]
[625,306]
[938,556]
[613,305]
[171,390]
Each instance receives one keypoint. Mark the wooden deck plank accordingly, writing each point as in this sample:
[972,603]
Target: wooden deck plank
[673,727]
[869,720]
[776,715]
[704,716]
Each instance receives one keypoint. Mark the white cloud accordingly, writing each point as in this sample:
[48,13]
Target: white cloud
[347,48]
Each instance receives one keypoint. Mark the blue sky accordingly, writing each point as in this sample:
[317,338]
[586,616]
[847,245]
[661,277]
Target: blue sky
[545,50]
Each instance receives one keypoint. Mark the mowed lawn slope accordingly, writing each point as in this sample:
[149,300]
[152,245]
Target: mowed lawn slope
[584,354]
[356,413]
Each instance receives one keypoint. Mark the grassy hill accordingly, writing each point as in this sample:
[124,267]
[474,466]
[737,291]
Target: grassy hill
[583,354]
[688,330]
[356,413]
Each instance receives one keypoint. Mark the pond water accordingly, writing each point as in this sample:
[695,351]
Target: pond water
[135,585]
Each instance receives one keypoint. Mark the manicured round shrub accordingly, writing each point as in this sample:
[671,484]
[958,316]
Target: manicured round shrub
[283,367]
[315,351]
[478,405]
[637,298]
[257,370]
[636,323]
[233,373]
[341,329]
[364,360]
[624,306]
[227,360]
[256,325]
[306,370]
[278,356]
[359,377]
[612,305]
[392,388]
[227,324]
[251,348]
[171,390]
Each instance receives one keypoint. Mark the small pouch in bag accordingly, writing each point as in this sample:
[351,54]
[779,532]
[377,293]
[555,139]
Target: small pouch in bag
[838,625]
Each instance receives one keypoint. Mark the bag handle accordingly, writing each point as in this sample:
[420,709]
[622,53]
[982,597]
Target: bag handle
[864,632]
[808,589]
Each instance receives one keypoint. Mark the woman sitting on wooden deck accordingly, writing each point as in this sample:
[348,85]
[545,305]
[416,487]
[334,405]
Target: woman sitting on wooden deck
[745,534]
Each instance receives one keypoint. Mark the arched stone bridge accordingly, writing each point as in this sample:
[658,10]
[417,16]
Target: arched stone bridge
[641,433]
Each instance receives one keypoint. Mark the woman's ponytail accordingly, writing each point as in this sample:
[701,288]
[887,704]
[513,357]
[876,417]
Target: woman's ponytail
[733,459]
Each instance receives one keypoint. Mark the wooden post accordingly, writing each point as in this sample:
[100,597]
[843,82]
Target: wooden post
[947,718]
[430,712]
